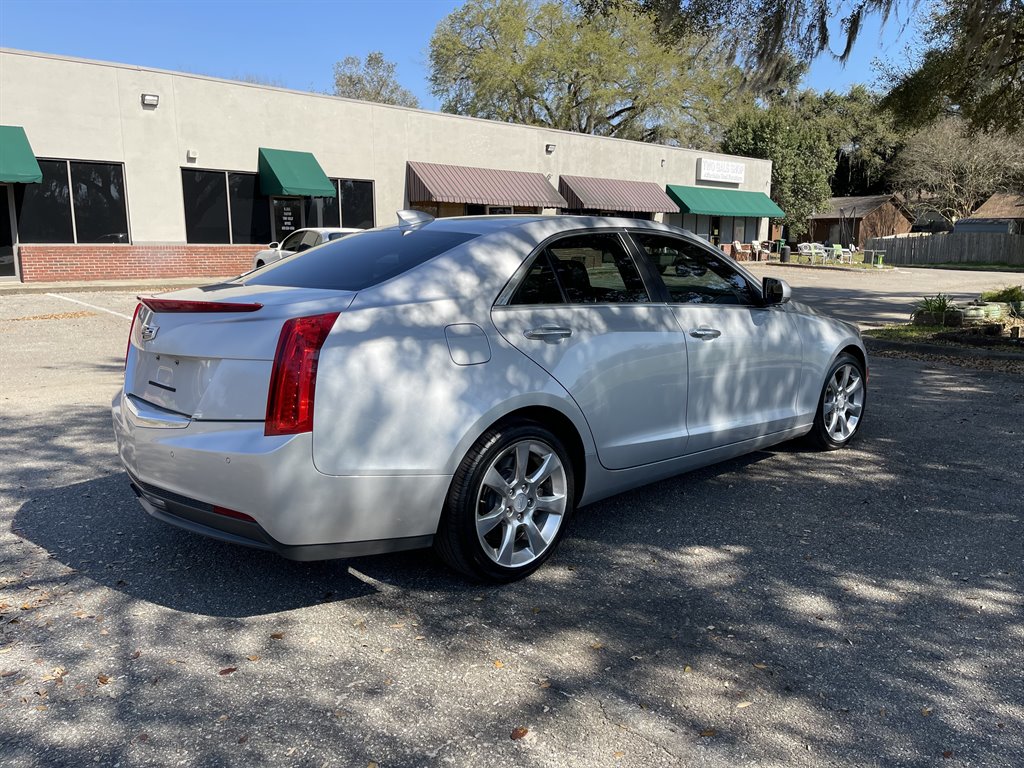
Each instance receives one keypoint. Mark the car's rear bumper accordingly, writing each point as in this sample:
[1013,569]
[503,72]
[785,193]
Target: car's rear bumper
[199,517]
[183,469]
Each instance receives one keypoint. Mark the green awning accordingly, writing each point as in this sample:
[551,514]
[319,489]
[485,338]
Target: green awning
[724,202]
[283,172]
[17,161]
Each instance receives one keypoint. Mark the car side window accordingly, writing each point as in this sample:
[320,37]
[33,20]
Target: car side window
[309,240]
[291,243]
[692,274]
[596,268]
[540,286]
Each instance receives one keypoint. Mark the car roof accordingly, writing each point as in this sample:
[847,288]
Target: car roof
[485,225]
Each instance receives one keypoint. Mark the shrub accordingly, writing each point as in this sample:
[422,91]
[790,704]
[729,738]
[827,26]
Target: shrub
[1009,293]
[939,304]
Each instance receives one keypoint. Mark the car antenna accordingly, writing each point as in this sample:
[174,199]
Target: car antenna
[410,219]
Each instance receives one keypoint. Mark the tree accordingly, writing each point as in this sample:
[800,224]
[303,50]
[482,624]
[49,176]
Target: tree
[766,34]
[371,80]
[802,160]
[977,77]
[863,136]
[543,62]
[952,169]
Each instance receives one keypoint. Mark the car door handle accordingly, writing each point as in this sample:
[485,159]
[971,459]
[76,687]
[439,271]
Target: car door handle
[705,332]
[551,333]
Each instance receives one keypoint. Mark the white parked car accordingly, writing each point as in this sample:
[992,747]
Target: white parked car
[298,241]
[467,383]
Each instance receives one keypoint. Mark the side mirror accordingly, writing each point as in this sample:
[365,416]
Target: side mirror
[274,245]
[775,291]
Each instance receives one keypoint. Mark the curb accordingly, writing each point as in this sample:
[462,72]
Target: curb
[128,286]
[885,345]
[829,267]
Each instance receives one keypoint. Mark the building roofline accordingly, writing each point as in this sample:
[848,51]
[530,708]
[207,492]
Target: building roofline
[314,94]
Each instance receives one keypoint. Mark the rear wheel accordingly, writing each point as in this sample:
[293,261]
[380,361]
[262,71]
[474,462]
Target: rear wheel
[259,263]
[508,505]
[841,405]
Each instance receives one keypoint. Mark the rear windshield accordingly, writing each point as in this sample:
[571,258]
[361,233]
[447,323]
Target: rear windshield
[360,260]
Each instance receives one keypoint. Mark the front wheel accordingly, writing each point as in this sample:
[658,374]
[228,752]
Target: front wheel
[508,505]
[841,405]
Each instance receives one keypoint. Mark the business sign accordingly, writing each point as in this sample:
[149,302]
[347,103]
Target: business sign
[712,169]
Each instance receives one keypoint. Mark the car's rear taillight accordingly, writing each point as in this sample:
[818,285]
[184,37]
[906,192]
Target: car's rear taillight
[293,379]
[177,305]
[131,330]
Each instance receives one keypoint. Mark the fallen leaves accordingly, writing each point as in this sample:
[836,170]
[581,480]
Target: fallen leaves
[597,645]
[687,669]
[707,733]
[518,733]
[56,675]
[926,711]
[103,679]
[760,665]
[277,635]
[228,670]
[253,657]
[743,704]
[498,664]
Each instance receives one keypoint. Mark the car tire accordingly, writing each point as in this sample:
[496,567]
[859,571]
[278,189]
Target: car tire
[259,264]
[840,410]
[502,520]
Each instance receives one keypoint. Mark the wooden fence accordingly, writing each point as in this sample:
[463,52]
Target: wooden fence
[951,248]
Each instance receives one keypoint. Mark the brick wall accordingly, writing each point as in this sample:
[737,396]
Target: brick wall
[45,263]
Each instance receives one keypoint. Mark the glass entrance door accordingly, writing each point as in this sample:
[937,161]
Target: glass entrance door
[7,266]
[288,216]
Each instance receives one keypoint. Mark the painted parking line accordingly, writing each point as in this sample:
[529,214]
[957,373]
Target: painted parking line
[91,306]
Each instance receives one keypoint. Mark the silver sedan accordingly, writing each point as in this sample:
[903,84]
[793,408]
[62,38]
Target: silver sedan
[467,383]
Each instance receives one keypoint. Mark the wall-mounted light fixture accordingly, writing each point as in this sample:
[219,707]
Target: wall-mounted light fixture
[549,149]
[191,156]
[150,100]
[663,162]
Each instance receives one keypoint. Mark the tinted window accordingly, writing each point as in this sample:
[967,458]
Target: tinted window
[539,286]
[44,209]
[206,206]
[100,212]
[356,203]
[692,274]
[309,240]
[360,260]
[250,210]
[323,211]
[292,242]
[596,269]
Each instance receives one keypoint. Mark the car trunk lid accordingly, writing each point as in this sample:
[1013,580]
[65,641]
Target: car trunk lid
[207,353]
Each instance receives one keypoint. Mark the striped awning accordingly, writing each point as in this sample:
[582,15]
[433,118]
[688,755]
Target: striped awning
[437,183]
[586,192]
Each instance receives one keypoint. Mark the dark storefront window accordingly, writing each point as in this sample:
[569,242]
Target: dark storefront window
[250,209]
[356,203]
[206,206]
[44,209]
[101,215]
[228,207]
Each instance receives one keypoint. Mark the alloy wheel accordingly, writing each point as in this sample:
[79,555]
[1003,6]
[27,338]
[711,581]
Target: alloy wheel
[843,403]
[521,503]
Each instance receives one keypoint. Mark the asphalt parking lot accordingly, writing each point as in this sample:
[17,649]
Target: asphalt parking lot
[860,608]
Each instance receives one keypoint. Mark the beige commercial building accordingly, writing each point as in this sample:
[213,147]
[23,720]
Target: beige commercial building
[143,172]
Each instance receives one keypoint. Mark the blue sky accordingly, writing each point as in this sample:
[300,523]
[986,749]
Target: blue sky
[295,42]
